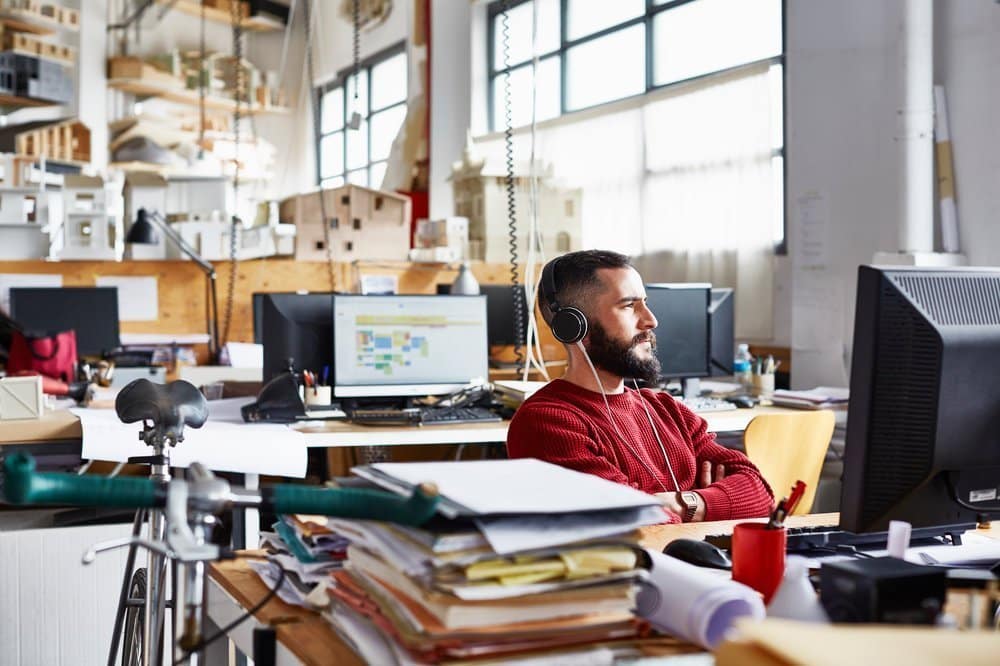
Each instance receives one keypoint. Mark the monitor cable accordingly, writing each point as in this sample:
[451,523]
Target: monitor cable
[628,445]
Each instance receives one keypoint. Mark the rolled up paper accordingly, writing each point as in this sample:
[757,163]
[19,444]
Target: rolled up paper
[696,604]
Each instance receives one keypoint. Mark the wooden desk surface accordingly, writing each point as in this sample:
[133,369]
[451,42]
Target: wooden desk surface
[54,426]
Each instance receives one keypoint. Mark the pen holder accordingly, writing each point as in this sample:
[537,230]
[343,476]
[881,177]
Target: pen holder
[763,385]
[759,557]
[318,395]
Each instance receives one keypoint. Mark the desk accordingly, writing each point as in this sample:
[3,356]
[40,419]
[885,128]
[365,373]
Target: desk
[305,636]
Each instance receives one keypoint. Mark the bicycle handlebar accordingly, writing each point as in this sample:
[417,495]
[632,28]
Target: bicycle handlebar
[23,485]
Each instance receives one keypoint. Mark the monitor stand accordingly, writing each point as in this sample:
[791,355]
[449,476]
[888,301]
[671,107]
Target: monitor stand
[690,388]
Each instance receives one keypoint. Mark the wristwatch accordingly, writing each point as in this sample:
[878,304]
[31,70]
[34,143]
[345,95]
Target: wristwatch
[689,500]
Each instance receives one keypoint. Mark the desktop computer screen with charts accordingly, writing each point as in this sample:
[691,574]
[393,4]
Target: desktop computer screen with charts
[408,345]
[923,425]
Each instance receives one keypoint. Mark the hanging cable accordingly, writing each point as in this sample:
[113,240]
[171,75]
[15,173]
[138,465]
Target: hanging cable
[508,142]
[202,83]
[317,135]
[234,223]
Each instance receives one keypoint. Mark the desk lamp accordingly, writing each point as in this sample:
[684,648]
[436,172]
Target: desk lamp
[144,232]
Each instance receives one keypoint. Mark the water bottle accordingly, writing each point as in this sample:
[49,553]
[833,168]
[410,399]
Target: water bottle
[742,366]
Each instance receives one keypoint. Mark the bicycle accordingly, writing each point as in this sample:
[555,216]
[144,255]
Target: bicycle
[181,515]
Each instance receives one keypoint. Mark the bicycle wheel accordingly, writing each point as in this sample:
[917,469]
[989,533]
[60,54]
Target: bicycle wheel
[134,618]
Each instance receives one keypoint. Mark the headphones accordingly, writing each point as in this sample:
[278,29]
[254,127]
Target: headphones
[569,324]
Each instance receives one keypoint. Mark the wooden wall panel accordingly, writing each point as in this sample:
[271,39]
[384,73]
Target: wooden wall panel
[182,290]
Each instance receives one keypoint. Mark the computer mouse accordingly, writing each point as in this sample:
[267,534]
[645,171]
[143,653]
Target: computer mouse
[742,401]
[698,553]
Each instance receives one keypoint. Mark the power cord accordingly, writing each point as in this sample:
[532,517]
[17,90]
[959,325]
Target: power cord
[224,631]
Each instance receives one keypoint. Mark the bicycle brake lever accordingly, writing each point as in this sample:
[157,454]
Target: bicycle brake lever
[91,553]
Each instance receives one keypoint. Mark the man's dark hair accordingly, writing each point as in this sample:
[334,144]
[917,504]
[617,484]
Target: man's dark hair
[576,278]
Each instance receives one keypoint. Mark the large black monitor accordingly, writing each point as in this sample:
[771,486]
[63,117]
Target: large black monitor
[682,332]
[298,327]
[923,443]
[90,311]
[500,320]
[395,346]
[722,345]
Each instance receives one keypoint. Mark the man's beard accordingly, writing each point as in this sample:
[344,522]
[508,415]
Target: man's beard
[620,357]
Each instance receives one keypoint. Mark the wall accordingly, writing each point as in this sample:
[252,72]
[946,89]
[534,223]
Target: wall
[843,163]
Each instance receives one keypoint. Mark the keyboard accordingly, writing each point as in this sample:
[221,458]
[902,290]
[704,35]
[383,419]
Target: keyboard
[449,415]
[704,404]
[423,416]
[829,537]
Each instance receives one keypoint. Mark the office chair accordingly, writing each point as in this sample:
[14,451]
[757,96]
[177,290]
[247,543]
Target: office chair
[789,447]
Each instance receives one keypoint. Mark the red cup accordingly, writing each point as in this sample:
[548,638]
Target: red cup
[759,557]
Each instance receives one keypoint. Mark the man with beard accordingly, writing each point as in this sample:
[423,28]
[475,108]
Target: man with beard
[591,421]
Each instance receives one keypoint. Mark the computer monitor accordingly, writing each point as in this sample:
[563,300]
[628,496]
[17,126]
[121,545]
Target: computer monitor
[682,332]
[923,442]
[92,312]
[257,302]
[722,345]
[500,313]
[298,327]
[397,346]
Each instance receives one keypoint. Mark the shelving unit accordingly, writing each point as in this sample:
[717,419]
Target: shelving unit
[193,7]
[184,96]
[27,21]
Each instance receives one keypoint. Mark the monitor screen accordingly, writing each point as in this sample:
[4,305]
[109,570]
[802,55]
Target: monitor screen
[922,439]
[297,327]
[722,347]
[90,311]
[408,345]
[682,341]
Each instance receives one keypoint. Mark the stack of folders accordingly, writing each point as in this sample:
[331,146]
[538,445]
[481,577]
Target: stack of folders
[821,397]
[513,392]
[526,561]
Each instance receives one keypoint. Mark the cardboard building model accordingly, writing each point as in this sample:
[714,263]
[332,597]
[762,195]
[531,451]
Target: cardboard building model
[363,224]
[480,195]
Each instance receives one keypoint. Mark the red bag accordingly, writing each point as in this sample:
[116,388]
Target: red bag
[49,355]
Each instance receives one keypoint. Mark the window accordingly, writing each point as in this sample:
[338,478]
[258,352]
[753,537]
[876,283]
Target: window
[354,148]
[591,53]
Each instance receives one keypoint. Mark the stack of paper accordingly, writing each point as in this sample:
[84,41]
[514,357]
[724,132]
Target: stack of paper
[513,569]
[513,392]
[821,397]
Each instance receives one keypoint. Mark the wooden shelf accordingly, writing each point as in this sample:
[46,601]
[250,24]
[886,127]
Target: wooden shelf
[15,101]
[189,97]
[24,21]
[254,23]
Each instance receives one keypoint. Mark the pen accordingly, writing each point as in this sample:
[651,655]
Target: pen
[326,374]
[798,490]
[777,520]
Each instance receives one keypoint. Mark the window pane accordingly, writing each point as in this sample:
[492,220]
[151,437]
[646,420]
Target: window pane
[376,173]
[385,125]
[776,82]
[333,110]
[336,181]
[519,32]
[708,35]
[359,177]
[778,181]
[606,69]
[585,17]
[357,147]
[331,155]
[547,94]
[389,82]
[361,104]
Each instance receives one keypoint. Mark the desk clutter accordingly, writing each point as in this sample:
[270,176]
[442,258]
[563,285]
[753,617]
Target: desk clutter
[495,578]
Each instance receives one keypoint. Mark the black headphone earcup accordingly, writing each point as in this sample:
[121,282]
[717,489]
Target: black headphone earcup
[569,325]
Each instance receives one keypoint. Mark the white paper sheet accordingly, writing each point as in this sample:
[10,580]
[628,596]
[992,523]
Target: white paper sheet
[517,533]
[520,486]
[225,443]
[137,296]
[8,280]
[245,354]
[812,248]
[694,603]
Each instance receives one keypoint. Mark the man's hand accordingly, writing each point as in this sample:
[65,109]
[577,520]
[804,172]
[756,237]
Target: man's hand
[707,478]
[671,504]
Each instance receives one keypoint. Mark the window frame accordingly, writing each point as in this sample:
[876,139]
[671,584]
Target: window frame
[494,71]
[340,81]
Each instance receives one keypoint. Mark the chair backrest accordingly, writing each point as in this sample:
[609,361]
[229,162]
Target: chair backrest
[789,447]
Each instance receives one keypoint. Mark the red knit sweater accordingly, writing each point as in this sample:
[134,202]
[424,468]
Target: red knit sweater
[568,425]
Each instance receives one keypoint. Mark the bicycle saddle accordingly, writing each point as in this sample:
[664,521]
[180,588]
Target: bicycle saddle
[170,407]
